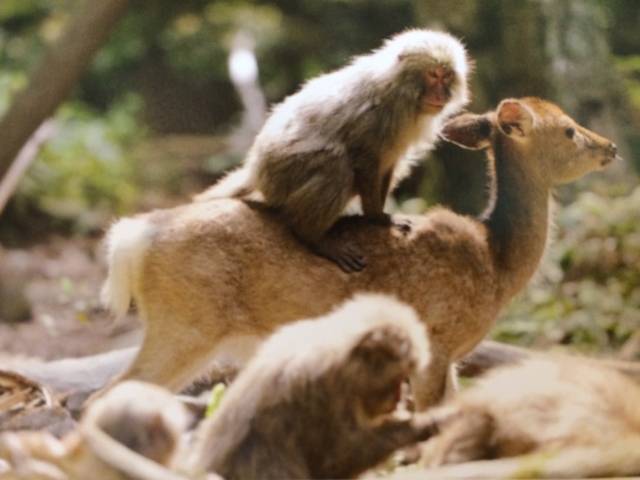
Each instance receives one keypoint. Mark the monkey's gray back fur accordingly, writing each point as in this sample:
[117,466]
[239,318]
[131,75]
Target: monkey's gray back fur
[349,116]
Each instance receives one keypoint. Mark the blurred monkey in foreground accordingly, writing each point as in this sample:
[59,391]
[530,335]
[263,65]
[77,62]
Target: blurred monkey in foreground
[133,432]
[549,417]
[318,398]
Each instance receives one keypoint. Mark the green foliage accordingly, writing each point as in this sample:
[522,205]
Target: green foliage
[629,66]
[10,83]
[85,173]
[217,392]
[197,43]
[588,293]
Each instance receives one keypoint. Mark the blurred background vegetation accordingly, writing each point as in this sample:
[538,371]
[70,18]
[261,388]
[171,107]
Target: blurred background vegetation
[156,116]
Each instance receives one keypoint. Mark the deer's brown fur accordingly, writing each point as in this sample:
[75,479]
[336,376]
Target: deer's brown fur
[212,278]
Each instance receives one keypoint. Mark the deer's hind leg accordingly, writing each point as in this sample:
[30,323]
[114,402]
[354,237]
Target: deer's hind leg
[169,357]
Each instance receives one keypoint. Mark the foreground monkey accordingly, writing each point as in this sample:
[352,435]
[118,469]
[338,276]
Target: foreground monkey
[316,401]
[348,133]
[133,432]
[557,416]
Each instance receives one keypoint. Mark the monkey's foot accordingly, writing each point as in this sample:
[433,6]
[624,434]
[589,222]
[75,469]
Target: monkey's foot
[402,224]
[386,220]
[347,257]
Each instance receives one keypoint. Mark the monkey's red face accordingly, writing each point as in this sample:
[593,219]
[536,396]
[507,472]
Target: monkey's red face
[438,82]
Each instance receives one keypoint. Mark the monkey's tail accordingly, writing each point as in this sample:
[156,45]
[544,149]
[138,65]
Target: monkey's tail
[127,242]
[120,458]
[238,183]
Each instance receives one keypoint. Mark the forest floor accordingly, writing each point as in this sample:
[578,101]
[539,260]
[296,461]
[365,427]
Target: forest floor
[61,281]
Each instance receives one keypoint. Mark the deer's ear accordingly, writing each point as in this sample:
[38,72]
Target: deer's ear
[515,119]
[469,131]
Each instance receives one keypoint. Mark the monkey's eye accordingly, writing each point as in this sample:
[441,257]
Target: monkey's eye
[570,132]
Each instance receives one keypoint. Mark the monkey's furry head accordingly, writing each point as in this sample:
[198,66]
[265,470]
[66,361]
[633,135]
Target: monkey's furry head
[440,47]
[144,417]
[419,49]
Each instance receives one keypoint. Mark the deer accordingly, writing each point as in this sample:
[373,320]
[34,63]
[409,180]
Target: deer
[212,279]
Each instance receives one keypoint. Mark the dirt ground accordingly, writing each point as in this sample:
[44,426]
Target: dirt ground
[59,282]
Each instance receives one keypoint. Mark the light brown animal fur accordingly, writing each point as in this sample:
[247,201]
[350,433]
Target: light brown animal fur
[318,398]
[209,275]
[345,133]
[131,433]
[558,416]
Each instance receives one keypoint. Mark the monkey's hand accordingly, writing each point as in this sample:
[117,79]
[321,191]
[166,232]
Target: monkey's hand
[431,423]
[347,257]
[386,220]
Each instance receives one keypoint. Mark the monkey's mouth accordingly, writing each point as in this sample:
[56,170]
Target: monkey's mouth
[385,400]
[431,106]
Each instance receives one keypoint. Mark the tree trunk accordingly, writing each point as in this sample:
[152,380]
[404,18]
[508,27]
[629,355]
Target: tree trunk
[56,74]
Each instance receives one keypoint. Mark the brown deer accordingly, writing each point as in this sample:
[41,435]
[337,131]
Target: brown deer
[210,279]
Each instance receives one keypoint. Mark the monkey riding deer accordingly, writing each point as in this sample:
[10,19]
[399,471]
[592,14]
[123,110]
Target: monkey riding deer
[318,400]
[211,279]
[552,416]
[348,133]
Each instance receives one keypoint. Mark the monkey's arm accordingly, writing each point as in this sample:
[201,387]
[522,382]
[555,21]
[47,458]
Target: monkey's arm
[390,435]
[373,191]
[370,185]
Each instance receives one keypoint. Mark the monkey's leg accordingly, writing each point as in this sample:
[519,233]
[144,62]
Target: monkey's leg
[373,192]
[313,208]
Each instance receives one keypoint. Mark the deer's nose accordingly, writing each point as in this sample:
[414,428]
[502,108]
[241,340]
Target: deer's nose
[613,149]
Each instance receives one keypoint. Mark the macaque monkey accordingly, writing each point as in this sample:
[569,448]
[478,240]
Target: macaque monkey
[348,133]
[132,432]
[550,417]
[318,398]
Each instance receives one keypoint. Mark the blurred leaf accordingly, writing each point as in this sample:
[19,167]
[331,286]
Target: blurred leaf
[217,392]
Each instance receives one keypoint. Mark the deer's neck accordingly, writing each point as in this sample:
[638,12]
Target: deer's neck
[519,223]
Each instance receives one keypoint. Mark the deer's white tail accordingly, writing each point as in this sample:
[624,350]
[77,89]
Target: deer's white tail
[238,183]
[127,242]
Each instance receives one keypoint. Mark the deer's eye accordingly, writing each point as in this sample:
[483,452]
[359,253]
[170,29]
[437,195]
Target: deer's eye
[570,132]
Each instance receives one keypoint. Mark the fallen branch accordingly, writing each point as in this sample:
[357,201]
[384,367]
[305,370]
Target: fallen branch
[23,160]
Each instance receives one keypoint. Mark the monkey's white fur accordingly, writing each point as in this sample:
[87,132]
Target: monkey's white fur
[326,95]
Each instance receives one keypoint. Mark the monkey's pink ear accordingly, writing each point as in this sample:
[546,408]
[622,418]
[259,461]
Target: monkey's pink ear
[515,119]
[469,131]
